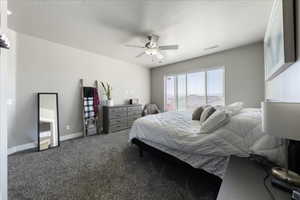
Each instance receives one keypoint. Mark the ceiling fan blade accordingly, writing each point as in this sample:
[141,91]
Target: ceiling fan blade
[139,55]
[134,46]
[168,47]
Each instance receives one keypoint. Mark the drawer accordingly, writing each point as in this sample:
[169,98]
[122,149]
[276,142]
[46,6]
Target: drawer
[135,108]
[134,112]
[117,110]
[118,127]
[117,121]
[117,115]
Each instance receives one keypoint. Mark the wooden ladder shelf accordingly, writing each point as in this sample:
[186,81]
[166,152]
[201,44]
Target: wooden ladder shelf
[90,109]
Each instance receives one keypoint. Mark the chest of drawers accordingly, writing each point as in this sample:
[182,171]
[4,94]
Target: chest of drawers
[117,118]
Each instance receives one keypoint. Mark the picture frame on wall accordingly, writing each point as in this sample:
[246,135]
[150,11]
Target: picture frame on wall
[279,41]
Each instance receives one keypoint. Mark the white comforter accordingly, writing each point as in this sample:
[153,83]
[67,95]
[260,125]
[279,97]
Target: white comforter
[241,136]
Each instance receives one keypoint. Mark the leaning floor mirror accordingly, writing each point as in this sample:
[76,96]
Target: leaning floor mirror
[48,124]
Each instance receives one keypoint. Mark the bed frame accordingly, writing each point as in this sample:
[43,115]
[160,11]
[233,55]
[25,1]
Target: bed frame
[145,147]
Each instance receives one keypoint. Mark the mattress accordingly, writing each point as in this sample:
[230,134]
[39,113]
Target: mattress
[212,164]
[177,134]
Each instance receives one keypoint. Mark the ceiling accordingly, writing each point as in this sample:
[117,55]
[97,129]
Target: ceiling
[105,26]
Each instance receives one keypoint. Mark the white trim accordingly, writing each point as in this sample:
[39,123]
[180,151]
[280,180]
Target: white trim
[32,145]
[3,106]
[205,85]
[22,147]
[71,136]
[165,77]
[176,90]
[224,86]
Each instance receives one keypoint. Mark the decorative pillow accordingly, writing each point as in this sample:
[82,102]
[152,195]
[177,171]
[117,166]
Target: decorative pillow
[234,108]
[208,111]
[215,121]
[219,107]
[197,113]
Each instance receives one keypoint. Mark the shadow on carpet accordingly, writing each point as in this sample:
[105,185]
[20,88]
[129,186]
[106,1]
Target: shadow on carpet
[104,167]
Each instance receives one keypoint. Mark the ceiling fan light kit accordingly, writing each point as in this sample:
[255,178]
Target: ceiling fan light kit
[151,52]
[151,48]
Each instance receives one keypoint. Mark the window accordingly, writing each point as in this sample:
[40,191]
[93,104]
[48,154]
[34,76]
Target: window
[190,90]
[170,94]
[181,92]
[215,87]
[195,90]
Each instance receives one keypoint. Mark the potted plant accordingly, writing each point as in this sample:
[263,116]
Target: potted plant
[107,90]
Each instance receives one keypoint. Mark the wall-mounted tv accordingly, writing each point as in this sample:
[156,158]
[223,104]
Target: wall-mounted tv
[279,42]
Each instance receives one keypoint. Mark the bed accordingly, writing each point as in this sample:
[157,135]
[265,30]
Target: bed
[176,134]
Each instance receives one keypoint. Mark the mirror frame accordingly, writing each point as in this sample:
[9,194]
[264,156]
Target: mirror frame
[38,119]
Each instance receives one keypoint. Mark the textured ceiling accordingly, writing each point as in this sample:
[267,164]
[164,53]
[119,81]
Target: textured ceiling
[105,26]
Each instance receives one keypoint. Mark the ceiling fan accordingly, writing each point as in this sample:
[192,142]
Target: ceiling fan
[152,48]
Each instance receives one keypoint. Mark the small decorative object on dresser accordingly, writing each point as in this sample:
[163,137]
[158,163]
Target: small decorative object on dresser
[107,89]
[117,118]
[134,101]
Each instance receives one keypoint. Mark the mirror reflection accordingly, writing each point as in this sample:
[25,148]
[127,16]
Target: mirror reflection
[48,130]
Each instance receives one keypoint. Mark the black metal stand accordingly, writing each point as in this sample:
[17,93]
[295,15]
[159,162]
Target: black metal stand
[141,152]
[145,147]
[294,158]
[283,185]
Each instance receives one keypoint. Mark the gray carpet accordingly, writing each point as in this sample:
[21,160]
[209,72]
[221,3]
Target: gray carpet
[104,167]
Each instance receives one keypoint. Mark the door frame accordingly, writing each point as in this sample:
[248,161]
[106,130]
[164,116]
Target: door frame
[3,106]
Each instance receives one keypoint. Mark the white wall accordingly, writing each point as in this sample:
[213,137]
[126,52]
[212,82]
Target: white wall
[244,74]
[286,87]
[38,65]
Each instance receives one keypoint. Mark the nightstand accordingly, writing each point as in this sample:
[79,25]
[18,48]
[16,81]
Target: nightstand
[244,180]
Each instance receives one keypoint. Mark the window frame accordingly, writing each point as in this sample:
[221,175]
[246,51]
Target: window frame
[165,89]
[205,70]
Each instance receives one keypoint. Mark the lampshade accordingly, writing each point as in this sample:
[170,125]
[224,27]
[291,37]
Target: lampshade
[281,119]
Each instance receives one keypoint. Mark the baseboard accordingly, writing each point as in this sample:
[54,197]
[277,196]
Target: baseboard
[71,136]
[22,147]
[32,145]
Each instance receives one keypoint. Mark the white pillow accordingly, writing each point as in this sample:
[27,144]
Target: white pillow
[215,121]
[208,110]
[234,108]
[219,107]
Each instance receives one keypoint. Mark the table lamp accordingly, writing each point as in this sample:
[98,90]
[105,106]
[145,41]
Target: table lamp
[282,120]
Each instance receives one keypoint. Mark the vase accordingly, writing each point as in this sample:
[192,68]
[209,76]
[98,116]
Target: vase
[110,102]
